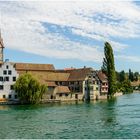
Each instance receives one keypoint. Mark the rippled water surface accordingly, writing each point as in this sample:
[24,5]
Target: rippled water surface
[102,119]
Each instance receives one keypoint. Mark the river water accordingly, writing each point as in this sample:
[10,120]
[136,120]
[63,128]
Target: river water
[119,118]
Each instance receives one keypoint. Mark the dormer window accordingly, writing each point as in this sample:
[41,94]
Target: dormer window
[7,67]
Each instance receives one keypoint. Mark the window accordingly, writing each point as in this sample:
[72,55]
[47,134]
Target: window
[11,87]
[4,96]
[4,72]
[15,96]
[96,88]
[7,67]
[10,96]
[7,78]
[72,83]
[1,87]
[1,78]
[77,89]
[14,78]
[9,72]
[66,94]
[91,88]
[60,95]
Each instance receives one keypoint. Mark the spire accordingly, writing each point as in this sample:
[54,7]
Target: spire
[1,48]
[1,40]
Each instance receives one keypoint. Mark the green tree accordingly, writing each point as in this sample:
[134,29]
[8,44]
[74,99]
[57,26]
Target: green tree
[29,90]
[122,76]
[109,66]
[104,66]
[131,75]
[136,76]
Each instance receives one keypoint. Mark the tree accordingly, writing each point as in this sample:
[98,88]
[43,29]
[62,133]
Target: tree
[109,67]
[136,76]
[131,75]
[104,66]
[29,90]
[122,76]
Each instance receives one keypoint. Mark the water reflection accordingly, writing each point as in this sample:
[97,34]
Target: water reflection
[109,112]
[4,107]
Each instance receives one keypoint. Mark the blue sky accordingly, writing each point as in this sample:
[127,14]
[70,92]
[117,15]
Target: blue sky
[71,33]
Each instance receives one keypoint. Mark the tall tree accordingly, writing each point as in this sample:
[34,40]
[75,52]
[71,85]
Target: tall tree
[131,75]
[109,66]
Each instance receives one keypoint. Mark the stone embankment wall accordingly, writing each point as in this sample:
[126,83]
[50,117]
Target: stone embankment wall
[118,94]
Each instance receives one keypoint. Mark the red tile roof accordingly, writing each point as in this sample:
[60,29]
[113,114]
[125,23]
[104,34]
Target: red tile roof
[33,67]
[62,89]
[78,74]
[102,76]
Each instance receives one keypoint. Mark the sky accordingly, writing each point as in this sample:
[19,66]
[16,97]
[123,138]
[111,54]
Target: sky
[71,33]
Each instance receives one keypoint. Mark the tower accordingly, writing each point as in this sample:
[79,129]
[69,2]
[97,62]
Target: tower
[1,48]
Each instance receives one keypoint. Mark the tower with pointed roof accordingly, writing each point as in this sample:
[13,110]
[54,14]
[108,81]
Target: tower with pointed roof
[1,48]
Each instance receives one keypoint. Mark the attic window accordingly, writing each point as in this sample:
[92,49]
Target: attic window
[7,67]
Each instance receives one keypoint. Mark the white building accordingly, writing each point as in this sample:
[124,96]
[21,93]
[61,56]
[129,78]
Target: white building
[8,77]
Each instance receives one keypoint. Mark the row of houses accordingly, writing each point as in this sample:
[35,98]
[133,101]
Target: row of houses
[67,84]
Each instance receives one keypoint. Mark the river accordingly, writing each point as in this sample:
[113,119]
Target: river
[119,118]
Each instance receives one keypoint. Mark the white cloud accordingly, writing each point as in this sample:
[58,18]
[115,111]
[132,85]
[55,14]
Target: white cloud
[98,20]
[128,58]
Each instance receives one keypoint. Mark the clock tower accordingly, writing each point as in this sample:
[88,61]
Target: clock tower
[1,48]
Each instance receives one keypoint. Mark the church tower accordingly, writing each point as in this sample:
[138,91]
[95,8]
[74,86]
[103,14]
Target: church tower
[1,48]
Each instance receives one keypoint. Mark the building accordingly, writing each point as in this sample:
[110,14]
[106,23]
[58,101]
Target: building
[91,86]
[103,83]
[82,82]
[8,76]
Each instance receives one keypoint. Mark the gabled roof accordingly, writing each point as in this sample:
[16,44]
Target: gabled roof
[78,74]
[48,76]
[61,89]
[102,76]
[33,67]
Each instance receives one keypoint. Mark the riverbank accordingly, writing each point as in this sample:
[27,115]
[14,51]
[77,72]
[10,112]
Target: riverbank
[103,97]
